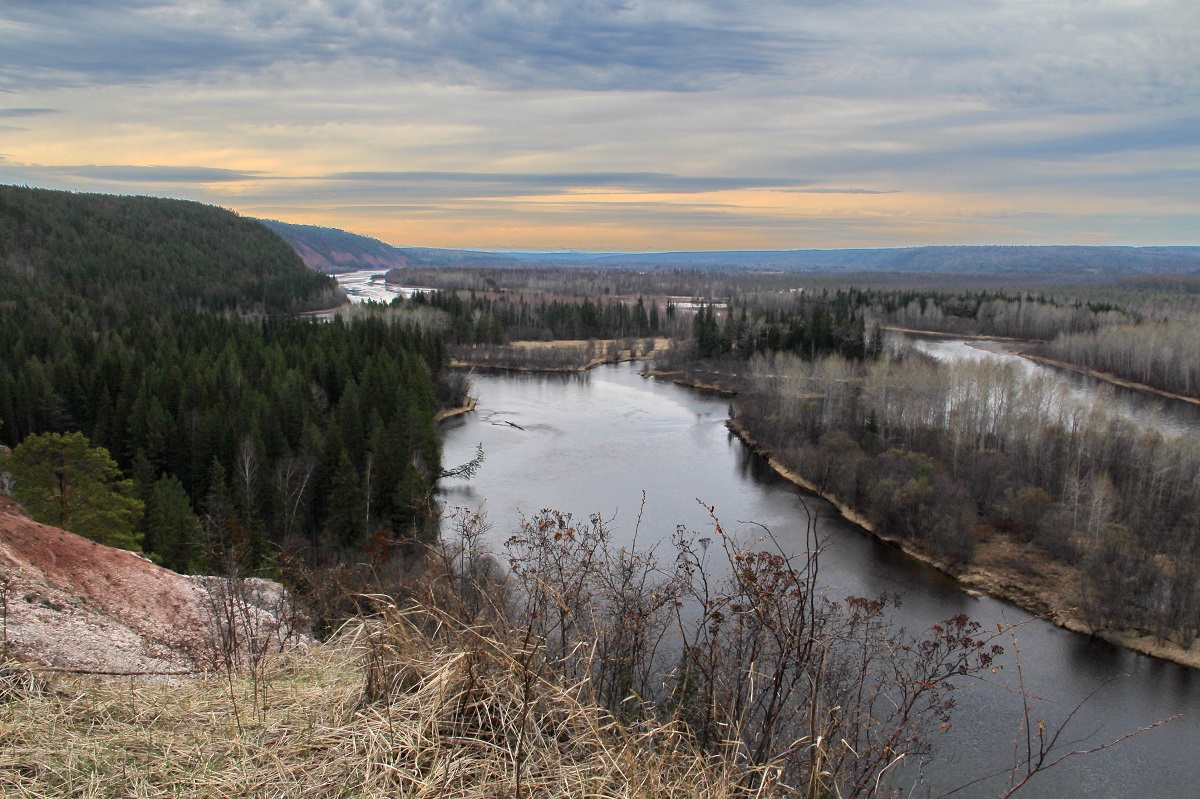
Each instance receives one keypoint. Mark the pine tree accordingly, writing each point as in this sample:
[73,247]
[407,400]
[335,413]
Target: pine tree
[172,530]
[64,481]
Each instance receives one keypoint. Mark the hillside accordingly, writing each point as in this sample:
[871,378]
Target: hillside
[164,332]
[96,248]
[330,251]
[73,604]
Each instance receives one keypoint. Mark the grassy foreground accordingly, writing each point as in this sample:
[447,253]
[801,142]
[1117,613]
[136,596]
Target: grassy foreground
[393,708]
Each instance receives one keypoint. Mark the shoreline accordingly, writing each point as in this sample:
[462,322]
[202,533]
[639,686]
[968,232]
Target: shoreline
[689,382]
[449,413]
[1007,585]
[1106,377]
[333,309]
[585,367]
[976,336]
[848,513]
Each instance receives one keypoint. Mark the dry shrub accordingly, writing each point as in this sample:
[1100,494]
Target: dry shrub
[593,671]
[409,704]
[480,714]
[18,684]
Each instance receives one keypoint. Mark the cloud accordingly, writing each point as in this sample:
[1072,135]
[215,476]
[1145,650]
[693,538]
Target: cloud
[831,190]
[1167,134]
[1057,52]
[527,184]
[154,174]
[494,108]
[582,44]
[19,113]
[118,177]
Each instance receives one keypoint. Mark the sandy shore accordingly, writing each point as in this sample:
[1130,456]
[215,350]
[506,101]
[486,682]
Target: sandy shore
[449,413]
[1105,376]
[940,334]
[1005,568]
[700,384]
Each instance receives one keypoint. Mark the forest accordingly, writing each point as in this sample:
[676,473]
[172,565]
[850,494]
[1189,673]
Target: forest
[164,332]
[504,318]
[155,357]
[954,456]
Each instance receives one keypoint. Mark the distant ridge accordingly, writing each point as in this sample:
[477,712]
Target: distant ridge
[986,259]
[331,250]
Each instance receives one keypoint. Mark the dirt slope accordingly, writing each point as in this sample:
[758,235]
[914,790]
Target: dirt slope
[74,604]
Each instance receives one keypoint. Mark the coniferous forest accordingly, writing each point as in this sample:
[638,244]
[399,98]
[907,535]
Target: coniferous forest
[164,331]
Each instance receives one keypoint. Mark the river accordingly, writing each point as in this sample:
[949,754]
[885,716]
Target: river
[368,284]
[593,443]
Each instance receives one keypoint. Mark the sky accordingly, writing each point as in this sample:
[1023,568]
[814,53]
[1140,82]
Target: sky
[624,126]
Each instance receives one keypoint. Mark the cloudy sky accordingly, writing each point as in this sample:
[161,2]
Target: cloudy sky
[608,125]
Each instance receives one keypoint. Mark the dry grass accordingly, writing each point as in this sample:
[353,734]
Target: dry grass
[405,706]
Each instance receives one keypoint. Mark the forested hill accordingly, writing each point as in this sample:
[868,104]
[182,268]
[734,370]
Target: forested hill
[154,328]
[139,250]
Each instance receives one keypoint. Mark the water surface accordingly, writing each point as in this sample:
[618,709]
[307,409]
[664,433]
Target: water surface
[594,443]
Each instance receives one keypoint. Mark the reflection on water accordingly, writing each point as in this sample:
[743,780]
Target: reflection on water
[593,443]
[1170,417]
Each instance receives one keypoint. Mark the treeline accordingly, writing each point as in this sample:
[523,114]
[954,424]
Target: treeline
[1144,332]
[1008,313]
[808,324]
[946,455]
[501,318]
[1161,355]
[993,314]
[578,282]
[553,356]
[939,304]
[245,434]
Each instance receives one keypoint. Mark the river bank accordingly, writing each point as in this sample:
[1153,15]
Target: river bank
[1104,376]
[1005,568]
[688,382]
[592,446]
[449,413]
[559,357]
[1004,345]
[974,336]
